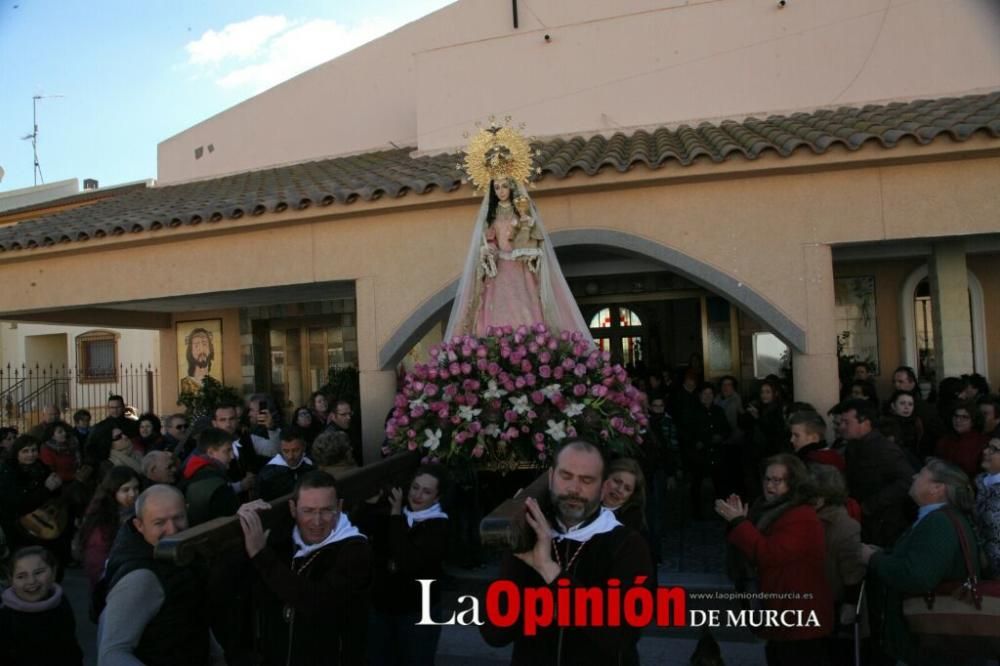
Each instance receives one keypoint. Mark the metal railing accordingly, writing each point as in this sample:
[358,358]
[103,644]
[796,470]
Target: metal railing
[26,390]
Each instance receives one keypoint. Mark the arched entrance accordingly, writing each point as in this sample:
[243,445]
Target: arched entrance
[918,333]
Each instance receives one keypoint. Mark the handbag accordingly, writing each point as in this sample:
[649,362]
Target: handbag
[961,616]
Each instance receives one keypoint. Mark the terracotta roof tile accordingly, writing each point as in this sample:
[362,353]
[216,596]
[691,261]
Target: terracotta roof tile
[394,173]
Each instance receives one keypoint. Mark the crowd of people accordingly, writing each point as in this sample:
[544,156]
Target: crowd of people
[875,513]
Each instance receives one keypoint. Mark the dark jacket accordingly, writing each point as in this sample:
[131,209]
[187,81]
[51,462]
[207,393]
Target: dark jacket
[926,555]
[621,553]
[179,632]
[402,555]
[273,481]
[702,437]
[206,490]
[22,490]
[879,476]
[44,637]
[328,597]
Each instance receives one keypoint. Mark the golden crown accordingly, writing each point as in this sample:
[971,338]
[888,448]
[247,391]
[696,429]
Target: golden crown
[498,152]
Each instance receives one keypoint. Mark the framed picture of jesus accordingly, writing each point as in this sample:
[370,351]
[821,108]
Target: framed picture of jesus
[199,353]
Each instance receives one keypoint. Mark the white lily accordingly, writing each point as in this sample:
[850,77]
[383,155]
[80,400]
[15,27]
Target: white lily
[419,402]
[551,391]
[433,439]
[467,413]
[520,404]
[556,430]
[492,430]
[493,390]
[573,409]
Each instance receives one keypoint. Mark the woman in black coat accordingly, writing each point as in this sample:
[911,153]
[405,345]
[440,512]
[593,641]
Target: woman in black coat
[408,544]
[36,622]
[26,484]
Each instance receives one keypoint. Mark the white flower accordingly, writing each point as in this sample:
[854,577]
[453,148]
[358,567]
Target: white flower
[468,413]
[551,391]
[419,402]
[520,404]
[556,431]
[493,390]
[433,439]
[492,430]
[573,409]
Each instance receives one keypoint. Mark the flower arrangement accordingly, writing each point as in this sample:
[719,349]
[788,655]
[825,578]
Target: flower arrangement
[513,396]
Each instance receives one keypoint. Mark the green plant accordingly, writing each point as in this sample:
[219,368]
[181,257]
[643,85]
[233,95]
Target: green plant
[211,394]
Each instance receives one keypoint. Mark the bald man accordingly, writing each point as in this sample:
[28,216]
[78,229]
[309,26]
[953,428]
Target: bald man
[156,611]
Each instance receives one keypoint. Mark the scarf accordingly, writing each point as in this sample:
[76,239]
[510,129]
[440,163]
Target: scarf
[431,512]
[126,459]
[16,603]
[604,522]
[343,530]
[281,462]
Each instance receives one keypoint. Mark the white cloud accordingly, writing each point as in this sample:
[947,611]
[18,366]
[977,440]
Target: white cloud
[300,48]
[237,40]
[262,51]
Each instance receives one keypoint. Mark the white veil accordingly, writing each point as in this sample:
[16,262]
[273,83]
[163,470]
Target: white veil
[559,308]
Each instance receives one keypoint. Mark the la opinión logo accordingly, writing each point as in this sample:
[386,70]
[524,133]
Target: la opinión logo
[540,607]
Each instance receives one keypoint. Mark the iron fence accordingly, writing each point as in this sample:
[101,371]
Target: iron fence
[26,390]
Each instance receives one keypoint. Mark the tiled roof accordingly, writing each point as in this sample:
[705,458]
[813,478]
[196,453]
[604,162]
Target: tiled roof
[395,173]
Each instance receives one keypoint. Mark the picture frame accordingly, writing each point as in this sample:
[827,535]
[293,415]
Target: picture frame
[199,353]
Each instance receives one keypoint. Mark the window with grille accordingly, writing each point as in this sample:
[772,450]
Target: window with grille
[97,356]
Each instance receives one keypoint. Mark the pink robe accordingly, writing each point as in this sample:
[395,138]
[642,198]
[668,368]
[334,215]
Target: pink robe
[513,297]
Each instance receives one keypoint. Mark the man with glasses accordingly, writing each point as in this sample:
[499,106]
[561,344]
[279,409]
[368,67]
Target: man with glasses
[341,417]
[878,475]
[314,610]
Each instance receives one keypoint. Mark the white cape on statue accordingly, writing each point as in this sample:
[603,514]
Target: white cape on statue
[559,308]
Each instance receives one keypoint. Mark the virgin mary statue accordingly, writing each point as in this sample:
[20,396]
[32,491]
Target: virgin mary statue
[511,275]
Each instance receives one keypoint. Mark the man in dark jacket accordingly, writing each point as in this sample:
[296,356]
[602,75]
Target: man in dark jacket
[279,476]
[878,475]
[588,548]
[314,611]
[205,479]
[156,611]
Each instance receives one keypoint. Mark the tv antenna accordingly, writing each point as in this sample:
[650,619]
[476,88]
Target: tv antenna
[34,134]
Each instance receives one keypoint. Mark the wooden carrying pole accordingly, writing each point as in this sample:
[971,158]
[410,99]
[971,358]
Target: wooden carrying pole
[505,526]
[210,538]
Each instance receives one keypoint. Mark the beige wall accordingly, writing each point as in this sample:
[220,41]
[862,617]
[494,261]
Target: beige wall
[607,66]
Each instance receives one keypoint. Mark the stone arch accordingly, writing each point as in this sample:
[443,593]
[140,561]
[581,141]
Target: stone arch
[702,274]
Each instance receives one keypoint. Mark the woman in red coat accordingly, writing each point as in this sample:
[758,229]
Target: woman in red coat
[781,539]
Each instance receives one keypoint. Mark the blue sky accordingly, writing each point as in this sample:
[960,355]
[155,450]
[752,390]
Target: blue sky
[135,72]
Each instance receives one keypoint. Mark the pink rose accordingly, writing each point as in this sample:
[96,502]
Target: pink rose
[526,366]
[558,372]
[466,368]
[580,370]
[510,416]
[529,379]
[520,383]
[454,368]
[579,390]
[430,389]
[537,397]
[540,445]
[545,371]
[493,369]
[477,451]
[411,433]
[411,445]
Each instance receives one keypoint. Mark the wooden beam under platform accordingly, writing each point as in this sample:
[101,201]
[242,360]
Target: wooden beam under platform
[505,526]
[210,538]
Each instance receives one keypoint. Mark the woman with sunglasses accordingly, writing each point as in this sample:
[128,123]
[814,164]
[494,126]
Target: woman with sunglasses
[122,454]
